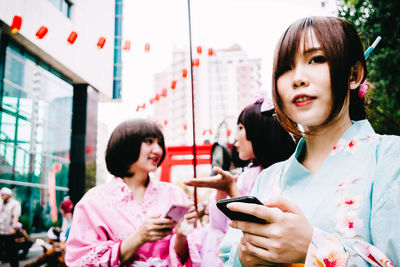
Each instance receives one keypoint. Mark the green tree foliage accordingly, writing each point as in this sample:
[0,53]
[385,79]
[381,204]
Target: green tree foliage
[375,18]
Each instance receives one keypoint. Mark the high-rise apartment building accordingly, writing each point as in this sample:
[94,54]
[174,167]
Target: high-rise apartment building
[223,83]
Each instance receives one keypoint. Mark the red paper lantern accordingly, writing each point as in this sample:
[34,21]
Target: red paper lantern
[137,108]
[228,132]
[72,37]
[147,48]
[16,24]
[204,132]
[101,43]
[144,106]
[210,52]
[165,122]
[199,50]
[157,97]
[184,73]
[151,101]
[41,32]
[196,62]
[127,45]
[173,84]
[164,92]
[210,131]
[185,126]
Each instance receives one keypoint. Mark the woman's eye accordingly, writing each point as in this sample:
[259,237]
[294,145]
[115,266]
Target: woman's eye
[148,140]
[318,59]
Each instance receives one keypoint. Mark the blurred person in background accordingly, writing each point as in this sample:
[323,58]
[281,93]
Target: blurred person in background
[261,140]
[10,211]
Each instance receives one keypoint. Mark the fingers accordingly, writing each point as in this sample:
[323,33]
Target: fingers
[269,214]
[211,182]
[284,205]
[261,253]
[220,171]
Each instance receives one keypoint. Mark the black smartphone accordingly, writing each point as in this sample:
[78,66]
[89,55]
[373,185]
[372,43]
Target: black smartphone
[240,216]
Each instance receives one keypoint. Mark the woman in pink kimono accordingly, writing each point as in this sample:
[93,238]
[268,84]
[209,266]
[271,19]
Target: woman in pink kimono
[122,222]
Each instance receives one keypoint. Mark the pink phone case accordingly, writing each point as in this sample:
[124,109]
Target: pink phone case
[176,212]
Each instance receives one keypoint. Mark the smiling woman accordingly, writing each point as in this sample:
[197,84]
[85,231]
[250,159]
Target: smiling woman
[120,223]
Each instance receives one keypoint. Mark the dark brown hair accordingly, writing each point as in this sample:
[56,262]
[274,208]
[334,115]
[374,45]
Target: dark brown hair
[271,143]
[342,47]
[123,147]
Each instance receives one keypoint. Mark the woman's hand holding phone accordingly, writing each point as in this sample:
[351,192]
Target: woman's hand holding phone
[155,228]
[284,239]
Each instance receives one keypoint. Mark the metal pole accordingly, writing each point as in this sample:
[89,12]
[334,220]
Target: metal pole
[193,117]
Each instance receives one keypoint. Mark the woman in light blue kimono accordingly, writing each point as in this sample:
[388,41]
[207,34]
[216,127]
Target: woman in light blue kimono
[336,200]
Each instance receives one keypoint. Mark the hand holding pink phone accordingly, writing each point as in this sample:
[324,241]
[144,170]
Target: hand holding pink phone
[176,212]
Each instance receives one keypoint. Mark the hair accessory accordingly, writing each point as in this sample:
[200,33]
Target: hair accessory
[363,89]
[267,105]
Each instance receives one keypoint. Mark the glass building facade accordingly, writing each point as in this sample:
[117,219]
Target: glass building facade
[35,136]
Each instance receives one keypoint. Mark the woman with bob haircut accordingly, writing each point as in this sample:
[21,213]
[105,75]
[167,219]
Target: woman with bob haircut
[122,222]
[334,202]
[262,140]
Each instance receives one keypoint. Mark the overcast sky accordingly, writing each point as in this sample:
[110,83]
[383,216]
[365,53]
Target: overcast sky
[253,24]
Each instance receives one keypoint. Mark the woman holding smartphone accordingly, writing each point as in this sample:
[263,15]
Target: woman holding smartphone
[260,139]
[122,222]
[335,201]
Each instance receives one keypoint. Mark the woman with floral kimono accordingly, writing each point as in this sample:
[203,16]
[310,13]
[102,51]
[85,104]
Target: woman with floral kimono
[335,201]
[122,222]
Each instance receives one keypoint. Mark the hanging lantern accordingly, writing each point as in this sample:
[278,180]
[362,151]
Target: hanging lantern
[196,62]
[184,73]
[151,101]
[101,43]
[147,48]
[127,45]
[199,50]
[164,92]
[173,84]
[228,132]
[210,52]
[157,97]
[210,131]
[143,106]
[204,132]
[72,37]
[185,126]
[137,108]
[165,122]
[41,32]
[16,24]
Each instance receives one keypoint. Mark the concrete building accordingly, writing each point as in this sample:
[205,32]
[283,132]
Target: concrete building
[49,92]
[223,83]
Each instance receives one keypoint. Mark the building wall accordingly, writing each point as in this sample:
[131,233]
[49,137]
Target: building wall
[49,94]
[82,62]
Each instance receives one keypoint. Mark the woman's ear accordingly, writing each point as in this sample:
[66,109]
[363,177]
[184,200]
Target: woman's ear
[356,75]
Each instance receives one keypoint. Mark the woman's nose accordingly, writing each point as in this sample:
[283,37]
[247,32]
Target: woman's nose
[299,78]
[156,148]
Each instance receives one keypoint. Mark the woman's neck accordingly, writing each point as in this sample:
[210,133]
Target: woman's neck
[321,142]
[137,183]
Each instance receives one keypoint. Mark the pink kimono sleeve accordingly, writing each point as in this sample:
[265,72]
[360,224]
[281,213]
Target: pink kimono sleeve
[88,243]
[194,258]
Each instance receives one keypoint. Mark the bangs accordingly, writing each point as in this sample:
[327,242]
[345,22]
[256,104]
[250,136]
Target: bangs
[294,38]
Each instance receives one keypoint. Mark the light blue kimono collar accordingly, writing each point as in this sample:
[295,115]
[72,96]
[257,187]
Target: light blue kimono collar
[294,169]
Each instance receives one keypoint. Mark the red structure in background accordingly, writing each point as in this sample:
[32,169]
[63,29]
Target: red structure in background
[180,155]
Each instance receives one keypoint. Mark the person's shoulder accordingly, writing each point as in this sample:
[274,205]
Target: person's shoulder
[274,168]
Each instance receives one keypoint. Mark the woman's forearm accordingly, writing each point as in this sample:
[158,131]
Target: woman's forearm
[128,247]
